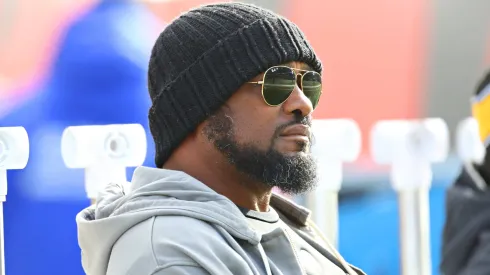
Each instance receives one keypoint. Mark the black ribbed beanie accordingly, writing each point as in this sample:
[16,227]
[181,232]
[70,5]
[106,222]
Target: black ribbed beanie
[205,55]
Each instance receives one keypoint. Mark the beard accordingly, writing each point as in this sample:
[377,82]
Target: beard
[293,174]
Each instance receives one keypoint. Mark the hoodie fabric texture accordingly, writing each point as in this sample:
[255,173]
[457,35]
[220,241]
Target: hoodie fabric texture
[466,241]
[166,222]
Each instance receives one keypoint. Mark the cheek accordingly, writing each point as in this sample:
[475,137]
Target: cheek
[256,126]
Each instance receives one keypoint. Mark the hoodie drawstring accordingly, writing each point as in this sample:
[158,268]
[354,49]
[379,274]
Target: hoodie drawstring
[265,260]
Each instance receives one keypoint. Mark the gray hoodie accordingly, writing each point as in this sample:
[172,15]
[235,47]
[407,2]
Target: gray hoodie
[166,222]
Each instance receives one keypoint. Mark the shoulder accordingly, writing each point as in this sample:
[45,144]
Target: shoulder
[133,251]
[180,240]
[165,241]
[180,237]
[172,231]
[179,225]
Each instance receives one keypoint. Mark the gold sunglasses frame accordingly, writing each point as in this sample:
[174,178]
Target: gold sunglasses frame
[294,70]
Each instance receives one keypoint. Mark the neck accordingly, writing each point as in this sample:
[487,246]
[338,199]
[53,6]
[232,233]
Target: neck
[223,178]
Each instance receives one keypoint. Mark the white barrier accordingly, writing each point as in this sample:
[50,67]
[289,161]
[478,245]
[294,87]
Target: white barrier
[410,147]
[336,141]
[14,154]
[104,151]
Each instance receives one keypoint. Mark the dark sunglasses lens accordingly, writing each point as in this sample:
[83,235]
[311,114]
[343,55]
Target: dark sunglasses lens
[312,87]
[279,83]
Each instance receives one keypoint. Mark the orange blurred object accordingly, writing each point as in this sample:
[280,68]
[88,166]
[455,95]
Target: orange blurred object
[28,36]
[30,33]
[373,54]
[387,39]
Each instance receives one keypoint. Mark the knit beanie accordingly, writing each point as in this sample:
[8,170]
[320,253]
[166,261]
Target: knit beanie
[481,109]
[205,55]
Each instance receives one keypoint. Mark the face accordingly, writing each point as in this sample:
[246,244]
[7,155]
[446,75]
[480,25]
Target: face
[269,144]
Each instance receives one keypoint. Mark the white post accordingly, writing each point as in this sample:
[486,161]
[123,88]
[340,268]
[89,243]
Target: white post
[335,141]
[411,146]
[14,154]
[104,151]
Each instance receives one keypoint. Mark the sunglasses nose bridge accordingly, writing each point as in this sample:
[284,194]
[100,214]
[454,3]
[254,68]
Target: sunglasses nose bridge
[298,85]
[299,79]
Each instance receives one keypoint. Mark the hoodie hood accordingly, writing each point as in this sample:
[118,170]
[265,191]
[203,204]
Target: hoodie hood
[152,192]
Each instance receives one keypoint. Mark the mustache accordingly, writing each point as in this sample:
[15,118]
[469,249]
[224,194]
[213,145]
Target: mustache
[307,121]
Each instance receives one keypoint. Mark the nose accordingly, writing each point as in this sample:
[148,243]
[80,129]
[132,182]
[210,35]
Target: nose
[298,104]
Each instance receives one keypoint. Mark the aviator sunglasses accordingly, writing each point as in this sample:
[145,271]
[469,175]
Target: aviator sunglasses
[279,82]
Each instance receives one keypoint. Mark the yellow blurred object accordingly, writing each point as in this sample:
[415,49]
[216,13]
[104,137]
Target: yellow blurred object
[481,112]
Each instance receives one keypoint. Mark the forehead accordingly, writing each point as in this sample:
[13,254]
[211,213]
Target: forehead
[298,65]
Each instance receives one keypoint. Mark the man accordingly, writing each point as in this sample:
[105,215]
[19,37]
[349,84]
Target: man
[466,242]
[233,87]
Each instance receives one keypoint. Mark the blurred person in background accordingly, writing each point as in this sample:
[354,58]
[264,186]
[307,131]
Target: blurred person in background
[97,77]
[233,88]
[466,240]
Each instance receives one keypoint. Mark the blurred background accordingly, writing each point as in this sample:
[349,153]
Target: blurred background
[65,63]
